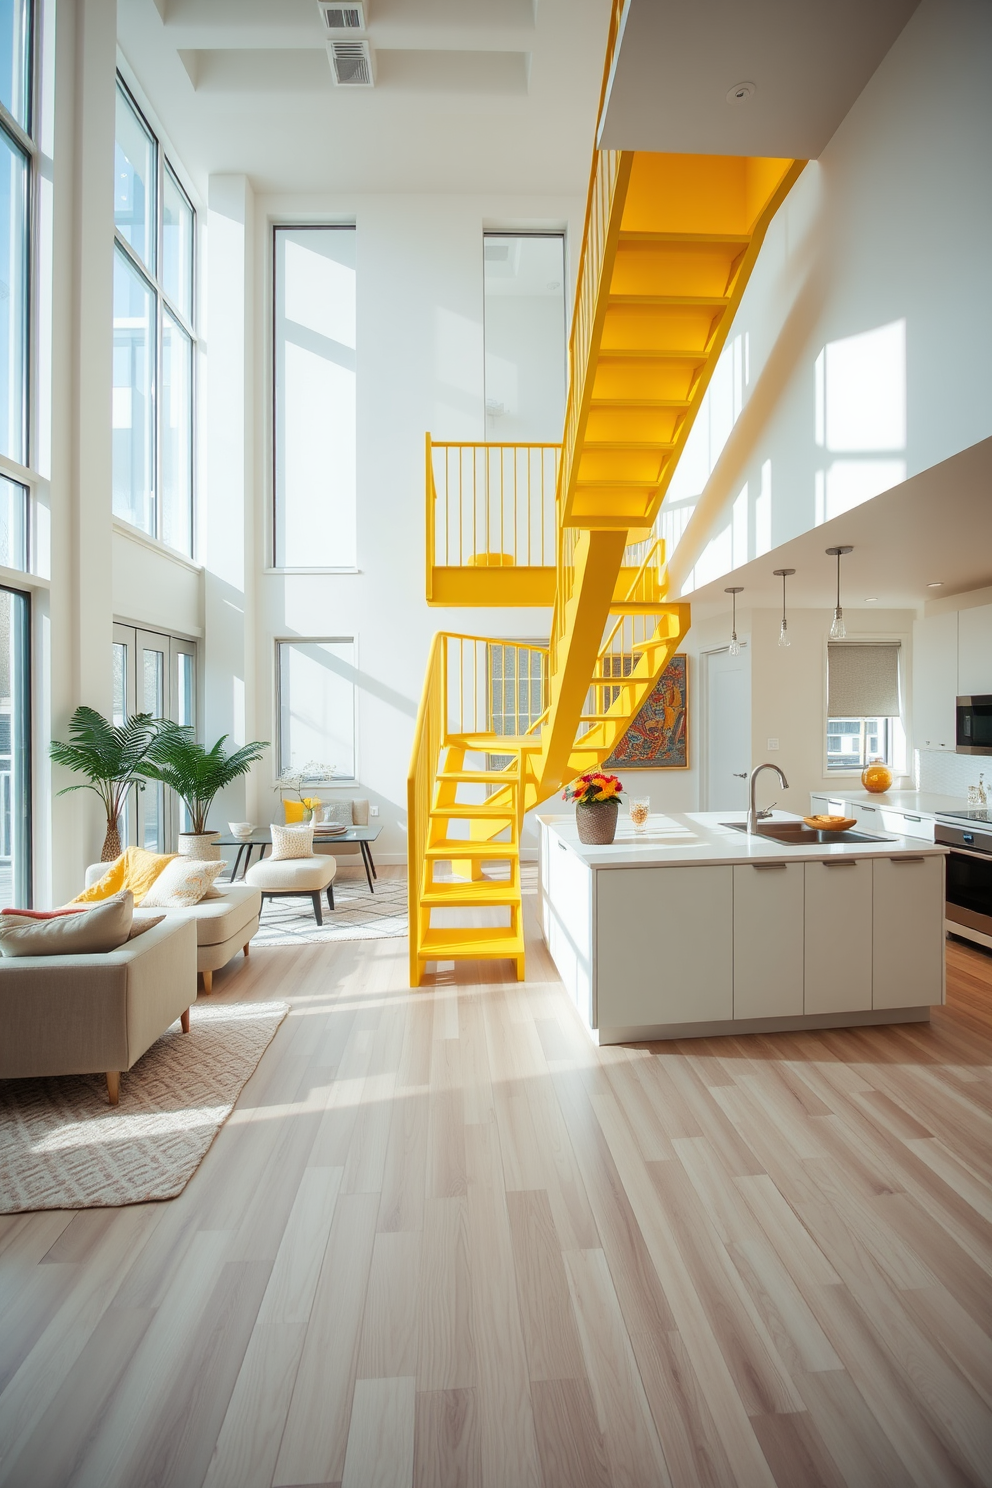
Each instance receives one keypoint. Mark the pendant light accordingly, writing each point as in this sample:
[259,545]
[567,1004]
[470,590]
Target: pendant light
[735,646]
[838,630]
[783,634]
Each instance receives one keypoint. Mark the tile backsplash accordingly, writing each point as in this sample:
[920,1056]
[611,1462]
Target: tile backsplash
[942,773]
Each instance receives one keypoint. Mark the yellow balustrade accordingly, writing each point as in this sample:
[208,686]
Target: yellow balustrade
[668,245]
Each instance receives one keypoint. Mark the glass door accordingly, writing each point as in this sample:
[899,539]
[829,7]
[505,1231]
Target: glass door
[15,749]
[153,673]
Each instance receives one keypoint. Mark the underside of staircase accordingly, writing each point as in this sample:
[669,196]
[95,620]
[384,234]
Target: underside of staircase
[669,245]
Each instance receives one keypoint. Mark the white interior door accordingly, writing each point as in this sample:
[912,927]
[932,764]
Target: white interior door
[727,731]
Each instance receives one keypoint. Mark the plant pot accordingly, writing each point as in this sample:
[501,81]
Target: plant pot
[597,822]
[111,844]
[199,845]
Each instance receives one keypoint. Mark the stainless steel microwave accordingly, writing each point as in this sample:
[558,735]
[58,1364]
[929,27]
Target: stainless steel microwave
[973,733]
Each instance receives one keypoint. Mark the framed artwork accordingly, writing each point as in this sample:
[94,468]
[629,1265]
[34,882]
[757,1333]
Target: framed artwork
[658,738]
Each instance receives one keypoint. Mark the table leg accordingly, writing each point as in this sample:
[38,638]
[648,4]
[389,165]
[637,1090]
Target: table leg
[368,849]
[237,862]
[366,858]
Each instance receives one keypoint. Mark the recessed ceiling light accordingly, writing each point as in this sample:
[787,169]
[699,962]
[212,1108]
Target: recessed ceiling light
[938,585]
[741,93]
[872,600]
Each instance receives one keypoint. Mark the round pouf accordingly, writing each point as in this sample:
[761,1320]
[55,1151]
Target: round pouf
[597,822]
[296,878]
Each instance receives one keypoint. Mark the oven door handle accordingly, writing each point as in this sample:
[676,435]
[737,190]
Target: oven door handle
[965,852]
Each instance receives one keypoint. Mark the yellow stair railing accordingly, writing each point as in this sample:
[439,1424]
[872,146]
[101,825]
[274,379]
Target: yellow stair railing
[668,246]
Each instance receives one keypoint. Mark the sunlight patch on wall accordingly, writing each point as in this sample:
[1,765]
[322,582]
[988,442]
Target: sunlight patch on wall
[860,411]
[763,513]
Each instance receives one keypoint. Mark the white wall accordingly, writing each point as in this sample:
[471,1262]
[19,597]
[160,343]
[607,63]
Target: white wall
[859,356]
[155,588]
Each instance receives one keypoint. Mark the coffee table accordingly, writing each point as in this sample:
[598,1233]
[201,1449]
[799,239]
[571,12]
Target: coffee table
[262,838]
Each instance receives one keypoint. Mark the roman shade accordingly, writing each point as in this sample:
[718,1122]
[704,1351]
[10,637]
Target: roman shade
[863,679]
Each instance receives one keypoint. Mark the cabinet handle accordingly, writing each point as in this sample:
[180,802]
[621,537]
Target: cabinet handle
[765,866]
[907,860]
[912,818]
[869,808]
[563,847]
[840,862]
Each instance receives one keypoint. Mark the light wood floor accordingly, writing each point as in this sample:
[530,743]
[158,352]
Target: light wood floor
[443,1240]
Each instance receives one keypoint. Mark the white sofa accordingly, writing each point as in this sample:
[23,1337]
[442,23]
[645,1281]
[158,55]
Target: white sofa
[80,1015]
[225,923]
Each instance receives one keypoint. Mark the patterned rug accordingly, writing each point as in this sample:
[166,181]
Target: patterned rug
[63,1147]
[357,915]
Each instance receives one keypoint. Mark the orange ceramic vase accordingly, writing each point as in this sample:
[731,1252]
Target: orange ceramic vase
[876,777]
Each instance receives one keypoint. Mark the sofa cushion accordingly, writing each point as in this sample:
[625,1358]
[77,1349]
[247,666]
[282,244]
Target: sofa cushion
[135,869]
[183,883]
[221,919]
[93,931]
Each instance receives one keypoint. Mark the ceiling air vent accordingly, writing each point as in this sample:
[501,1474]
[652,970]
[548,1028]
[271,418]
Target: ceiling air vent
[351,64]
[338,17]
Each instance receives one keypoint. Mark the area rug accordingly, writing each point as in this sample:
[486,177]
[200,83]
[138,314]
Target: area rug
[357,915]
[63,1147]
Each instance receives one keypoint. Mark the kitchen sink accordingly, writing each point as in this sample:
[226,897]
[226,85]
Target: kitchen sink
[802,836]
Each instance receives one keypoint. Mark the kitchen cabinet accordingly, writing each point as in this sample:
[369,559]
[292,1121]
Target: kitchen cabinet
[975,651]
[665,945]
[907,942]
[838,941]
[768,940]
[935,680]
[566,919]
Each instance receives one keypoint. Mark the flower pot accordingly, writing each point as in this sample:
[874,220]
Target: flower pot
[111,844]
[597,822]
[199,845]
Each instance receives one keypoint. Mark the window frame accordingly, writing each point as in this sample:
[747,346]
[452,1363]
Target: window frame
[273,566]
[283,765]
[164,302]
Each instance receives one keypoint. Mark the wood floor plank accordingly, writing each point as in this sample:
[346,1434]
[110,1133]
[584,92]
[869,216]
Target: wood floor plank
[572,1451]
[446,1446]
[390,1339]
[381,1435]
[447,1349]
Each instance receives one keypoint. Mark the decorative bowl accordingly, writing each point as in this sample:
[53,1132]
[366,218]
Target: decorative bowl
[830,823]
[240,829]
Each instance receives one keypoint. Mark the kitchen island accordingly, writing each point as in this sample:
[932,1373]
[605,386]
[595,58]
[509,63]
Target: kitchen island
[694,928]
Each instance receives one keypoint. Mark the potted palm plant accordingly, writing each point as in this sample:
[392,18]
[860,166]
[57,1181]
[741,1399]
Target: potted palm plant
[113,758]
[196,775]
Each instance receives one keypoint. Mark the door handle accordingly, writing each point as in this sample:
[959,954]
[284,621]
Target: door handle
[739,774]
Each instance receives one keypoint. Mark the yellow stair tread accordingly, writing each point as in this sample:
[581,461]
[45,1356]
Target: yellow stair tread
[465,811]
[475,944]
[479,777]
[494,743]
[466,848]
[468,895]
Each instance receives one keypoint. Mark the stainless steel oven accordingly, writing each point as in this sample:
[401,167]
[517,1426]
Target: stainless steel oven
[973,729]
[968,909]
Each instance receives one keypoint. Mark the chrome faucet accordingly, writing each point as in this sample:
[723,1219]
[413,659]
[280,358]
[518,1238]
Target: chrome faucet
[754,815]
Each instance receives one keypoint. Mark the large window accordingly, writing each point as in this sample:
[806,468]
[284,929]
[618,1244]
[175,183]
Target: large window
[863,704]
[153,336]
[314,439]
[524,279]
[16,160]
[317,705]
[153,673]
[15,749]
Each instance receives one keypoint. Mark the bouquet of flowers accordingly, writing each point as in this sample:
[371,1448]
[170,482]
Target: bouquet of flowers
[592,789]
[293,780]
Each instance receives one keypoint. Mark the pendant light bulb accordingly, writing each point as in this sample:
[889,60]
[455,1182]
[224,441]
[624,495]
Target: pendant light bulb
[734,649]
[783,634]
[838,630]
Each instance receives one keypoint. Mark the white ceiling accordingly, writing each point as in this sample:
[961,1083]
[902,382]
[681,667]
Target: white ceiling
[935,528]
[472,96]
[808,60]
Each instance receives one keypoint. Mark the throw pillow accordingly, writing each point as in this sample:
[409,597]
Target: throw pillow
[293,811]
[147,922]
[136,869]
[291,842]
[101,928]
[338,812]
[183,883]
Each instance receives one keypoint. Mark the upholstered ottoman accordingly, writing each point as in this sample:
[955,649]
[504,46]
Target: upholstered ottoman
[295,878]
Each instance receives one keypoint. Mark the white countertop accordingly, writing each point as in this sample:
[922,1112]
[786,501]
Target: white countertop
[680,839]
[922,802]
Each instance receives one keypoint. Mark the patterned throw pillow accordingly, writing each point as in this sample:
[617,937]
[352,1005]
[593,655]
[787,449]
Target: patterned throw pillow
[136,869]
[291,842]
[338,812]
[182,884]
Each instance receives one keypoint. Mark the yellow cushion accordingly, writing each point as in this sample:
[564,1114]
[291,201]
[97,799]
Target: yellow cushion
[294,810]
[136,869]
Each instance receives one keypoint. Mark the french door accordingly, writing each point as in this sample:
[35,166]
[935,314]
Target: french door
[153,673]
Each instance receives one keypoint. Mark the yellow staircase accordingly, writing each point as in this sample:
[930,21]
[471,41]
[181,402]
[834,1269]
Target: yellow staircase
[668,248]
